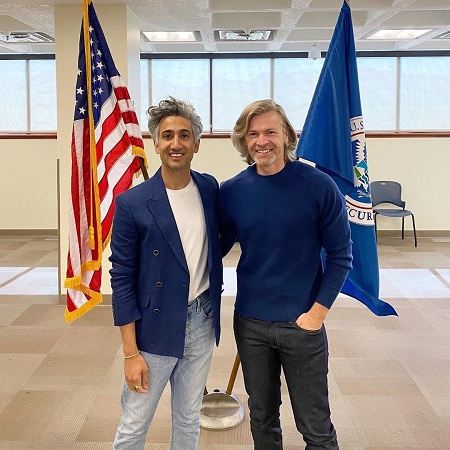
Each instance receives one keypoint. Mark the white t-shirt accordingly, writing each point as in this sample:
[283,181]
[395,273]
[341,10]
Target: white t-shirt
[189,216]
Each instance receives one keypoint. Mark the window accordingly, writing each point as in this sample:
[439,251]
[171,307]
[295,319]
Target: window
[294,82]
[13,96]
[377,84]
[28,95]
[398,93]
[425,93]
[42,95]
[145,96]
[186,79]
[236,83]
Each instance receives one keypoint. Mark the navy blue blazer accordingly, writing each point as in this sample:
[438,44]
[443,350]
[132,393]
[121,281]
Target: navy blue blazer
[149,275]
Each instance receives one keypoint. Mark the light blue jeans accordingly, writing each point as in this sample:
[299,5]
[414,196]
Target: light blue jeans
[187,378]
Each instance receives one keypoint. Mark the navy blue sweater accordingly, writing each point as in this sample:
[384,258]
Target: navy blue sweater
[282,222]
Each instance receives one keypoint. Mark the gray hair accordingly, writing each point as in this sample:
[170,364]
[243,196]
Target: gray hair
[255,109]
[173,107]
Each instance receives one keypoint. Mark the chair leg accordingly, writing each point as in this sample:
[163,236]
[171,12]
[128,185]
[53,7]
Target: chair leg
[414,229]
[403,228]
[375,223]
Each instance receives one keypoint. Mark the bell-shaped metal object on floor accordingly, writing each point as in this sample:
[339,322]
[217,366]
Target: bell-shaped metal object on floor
[221,409]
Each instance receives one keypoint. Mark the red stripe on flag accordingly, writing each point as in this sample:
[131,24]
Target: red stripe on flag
[122,185]
[110,160]
[129,117]
[122,93]
[70,305]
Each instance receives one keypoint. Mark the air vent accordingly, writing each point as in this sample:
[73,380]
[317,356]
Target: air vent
[28,37]
[244,35]
[445,35]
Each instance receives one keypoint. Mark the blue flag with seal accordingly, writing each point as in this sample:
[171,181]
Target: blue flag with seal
[334,138]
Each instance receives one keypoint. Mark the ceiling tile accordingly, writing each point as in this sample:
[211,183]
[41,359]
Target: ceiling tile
[412,19]
[328,19]
[354,4]
[430,4]
[8,23]
[246,21]
[310,35]
[249,5]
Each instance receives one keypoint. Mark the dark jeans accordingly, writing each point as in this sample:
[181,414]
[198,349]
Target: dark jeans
[265,347]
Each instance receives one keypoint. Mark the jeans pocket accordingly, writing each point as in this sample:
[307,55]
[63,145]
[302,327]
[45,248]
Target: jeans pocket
[207,308]
[304,330]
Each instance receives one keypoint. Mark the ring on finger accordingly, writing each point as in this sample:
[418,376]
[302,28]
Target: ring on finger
[137,387]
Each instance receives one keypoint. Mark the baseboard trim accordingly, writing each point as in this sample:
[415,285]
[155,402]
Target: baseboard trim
[410,233]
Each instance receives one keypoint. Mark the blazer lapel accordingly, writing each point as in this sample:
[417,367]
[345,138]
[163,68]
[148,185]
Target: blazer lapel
[159,206]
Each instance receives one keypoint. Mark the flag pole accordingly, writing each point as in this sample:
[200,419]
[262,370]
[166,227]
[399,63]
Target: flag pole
[143,168]
[93,158]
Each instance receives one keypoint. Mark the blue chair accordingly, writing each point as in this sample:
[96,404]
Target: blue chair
[390,192]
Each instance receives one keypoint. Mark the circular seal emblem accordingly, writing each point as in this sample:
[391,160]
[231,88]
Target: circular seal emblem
[358,201]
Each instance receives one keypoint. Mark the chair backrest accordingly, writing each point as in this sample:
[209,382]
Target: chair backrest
[386,192]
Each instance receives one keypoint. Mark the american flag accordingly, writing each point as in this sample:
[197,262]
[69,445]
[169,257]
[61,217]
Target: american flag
[106,147]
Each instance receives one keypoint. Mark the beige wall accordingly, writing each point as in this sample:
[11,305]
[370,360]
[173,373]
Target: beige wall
[28,177]
[28,186]
[28,180]
[420,165]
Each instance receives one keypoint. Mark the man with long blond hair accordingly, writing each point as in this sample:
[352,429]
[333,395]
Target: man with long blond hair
[283,213]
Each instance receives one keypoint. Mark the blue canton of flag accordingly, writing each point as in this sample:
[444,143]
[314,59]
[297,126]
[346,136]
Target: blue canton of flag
[334,138]
[102,67]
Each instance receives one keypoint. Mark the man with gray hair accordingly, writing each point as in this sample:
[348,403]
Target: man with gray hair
[166,280]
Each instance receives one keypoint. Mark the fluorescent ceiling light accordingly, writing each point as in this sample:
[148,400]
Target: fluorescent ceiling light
[169,36]
[398,34]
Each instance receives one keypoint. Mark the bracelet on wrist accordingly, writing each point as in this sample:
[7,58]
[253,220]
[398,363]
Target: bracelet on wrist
[132,356]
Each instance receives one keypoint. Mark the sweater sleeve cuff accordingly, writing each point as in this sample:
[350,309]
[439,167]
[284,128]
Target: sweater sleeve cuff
[326,298]
[331,286]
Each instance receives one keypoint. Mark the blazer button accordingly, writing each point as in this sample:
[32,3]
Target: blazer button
[156,310]
[156,252]
[159,284]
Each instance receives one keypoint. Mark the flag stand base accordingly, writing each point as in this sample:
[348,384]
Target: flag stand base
[221,409]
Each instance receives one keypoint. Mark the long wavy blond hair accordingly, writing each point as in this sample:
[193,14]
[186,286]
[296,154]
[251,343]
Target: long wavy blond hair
[255,109]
